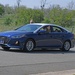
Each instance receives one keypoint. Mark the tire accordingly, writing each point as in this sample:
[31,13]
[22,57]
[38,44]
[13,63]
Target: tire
[5,48]
[66,46]
[29,45]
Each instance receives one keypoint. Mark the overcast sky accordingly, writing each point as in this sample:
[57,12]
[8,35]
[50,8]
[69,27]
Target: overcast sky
[36,3]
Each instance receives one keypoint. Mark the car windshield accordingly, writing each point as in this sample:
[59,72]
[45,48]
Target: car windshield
[28,28]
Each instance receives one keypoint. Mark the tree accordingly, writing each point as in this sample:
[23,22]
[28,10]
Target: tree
[67,18]
[38,15]
[43,3]
[1,9]
[71,5]
[23,15]
[59,16]
[8,9]
[18,3]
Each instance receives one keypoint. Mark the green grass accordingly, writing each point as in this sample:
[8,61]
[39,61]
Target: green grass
[6,28]
[72,29]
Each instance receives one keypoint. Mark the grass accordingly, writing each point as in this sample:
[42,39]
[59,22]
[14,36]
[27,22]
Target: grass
[7,28]
[72,29]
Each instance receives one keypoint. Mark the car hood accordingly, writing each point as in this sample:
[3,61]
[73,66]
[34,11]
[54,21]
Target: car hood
[12,33]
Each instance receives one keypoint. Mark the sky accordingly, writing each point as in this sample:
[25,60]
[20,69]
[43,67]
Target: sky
[36,3]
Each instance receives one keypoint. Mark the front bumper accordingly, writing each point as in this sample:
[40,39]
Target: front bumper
[10,46]
[12,43]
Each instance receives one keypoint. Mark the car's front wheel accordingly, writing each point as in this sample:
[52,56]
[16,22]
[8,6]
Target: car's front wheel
[5,48]
[29,45]
[66,46]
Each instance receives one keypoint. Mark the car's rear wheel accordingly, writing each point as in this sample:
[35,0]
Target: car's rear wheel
[29,45]
[66,46]
[5,48]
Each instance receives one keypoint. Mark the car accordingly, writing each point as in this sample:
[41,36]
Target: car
[37,35]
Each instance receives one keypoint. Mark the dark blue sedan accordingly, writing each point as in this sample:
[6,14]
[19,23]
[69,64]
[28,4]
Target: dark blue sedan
[37,35]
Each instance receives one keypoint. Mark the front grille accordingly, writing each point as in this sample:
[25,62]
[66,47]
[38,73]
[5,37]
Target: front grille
[5,39]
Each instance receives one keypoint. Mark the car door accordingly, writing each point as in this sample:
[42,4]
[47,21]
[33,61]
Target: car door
[57,36]
[44,38]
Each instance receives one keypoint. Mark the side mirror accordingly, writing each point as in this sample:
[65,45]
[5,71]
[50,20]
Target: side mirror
[42,32]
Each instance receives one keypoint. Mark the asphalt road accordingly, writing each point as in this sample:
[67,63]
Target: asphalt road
[16,62]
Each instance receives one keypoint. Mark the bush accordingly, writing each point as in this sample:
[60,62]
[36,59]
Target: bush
[8,21]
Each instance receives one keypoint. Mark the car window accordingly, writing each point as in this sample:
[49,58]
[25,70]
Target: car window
[28,28]
[46,28]
[56,29]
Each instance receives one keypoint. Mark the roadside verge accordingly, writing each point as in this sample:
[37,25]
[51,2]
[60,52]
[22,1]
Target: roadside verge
[66,72]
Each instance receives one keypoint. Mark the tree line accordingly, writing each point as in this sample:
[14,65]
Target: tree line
[21,15]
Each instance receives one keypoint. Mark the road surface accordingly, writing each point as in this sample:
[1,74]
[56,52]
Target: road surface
[16,62]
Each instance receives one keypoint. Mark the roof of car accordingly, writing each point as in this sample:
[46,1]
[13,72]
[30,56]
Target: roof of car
[43,24]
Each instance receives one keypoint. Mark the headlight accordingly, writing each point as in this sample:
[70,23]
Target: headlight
[18,36]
